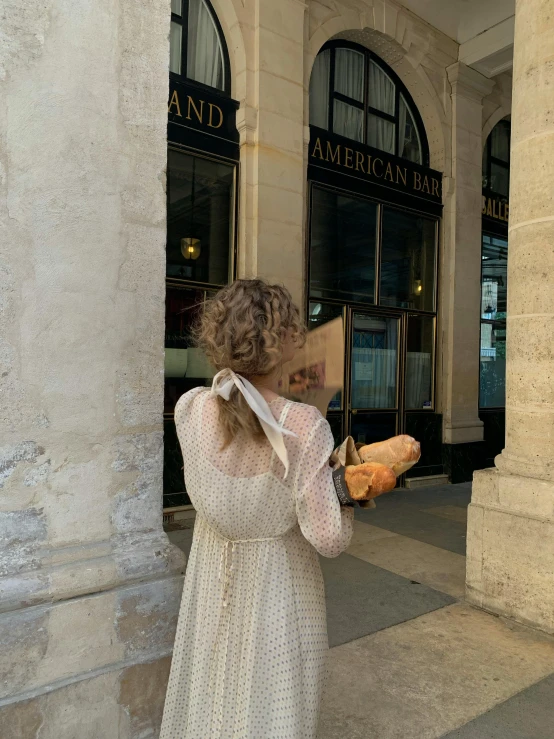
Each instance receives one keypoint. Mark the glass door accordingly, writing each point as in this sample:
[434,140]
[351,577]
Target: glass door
[374,397]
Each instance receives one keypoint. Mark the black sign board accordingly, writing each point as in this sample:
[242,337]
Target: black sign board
[202,119]
[495,210]
[346,157]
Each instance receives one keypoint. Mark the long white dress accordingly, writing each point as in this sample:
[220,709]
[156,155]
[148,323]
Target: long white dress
[251,641]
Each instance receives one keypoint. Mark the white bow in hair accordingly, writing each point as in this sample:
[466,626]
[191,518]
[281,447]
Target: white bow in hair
[222,385]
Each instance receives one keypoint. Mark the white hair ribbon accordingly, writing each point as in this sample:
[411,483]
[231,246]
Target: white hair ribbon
[222,385]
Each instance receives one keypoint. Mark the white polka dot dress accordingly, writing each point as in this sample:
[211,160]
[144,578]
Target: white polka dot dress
[251,642]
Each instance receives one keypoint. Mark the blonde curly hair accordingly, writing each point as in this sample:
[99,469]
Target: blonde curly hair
[242,329]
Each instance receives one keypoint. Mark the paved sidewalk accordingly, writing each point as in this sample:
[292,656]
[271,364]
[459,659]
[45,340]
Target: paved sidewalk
[409,659]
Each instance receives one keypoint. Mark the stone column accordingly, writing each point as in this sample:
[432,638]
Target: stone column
[89,585]
[461,276]
[271,241]
[510,565]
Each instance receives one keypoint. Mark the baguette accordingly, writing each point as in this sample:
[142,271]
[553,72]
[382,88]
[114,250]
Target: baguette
[367,481]
[399,453]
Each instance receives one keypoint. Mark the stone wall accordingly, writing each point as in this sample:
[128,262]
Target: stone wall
[89,585]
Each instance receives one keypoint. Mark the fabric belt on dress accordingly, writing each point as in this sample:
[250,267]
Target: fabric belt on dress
[226,565]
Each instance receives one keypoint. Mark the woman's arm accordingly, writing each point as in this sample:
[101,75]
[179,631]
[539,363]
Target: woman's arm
[324,523]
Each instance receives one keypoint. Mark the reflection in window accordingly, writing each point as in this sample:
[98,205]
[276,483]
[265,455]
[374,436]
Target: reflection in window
[201,58]
[367,428]
[494,276]
[419,362]
[342,247]
[408,260]
[374,361]
[199,218]
[496,159]
[361,101]
[494,271]
[186,366]
[492,383]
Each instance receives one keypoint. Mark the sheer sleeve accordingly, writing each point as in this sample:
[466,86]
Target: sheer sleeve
[185,418]
[324,523]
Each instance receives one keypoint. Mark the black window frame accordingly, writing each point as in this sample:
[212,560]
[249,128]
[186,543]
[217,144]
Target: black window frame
[489,159]
[183,21]
[399,89]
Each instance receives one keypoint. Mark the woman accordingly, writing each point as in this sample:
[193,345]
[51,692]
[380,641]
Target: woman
[251,641]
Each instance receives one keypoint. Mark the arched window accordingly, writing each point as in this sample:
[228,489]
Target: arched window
[196,43]
[356,95]
[496,159]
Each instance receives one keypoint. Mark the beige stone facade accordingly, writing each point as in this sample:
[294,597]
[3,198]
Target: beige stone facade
[511,522]
[89,585]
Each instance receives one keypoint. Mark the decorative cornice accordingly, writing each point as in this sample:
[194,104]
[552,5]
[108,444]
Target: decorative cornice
[467,82]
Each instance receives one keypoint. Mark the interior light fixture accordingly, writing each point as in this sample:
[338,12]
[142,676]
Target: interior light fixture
[190,248]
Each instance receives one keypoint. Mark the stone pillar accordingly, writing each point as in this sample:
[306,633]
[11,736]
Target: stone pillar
[510,565]
[273,176]
[461,276]
[89,585]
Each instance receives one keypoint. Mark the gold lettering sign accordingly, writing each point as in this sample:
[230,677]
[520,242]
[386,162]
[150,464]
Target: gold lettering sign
[497,209]
[374,166]
[209,115]
[174,102]
[333,155]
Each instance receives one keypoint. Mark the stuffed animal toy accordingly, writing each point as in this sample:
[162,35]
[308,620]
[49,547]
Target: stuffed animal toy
[367,471]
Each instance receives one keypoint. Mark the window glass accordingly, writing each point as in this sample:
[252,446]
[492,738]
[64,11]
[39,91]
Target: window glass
[500,179]
[204,51]
[185,365]
[349,73]
[380,89]
[319,90]
[175,40]
[367,428]
[492,383]
[335,422]
[500,141]
[374,361]
[199,218]
[174,490]
[342,247]
[380,133]
[419,362]
[408,260]
[348,121]
[177,7]
[494,277]
[484,164]
[410,145]
[494,274]
[360,101]
[319,314]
